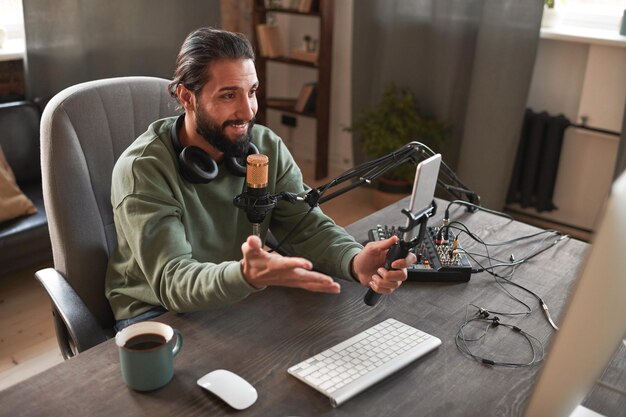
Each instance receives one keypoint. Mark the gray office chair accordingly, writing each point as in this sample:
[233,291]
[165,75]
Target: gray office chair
[84,129]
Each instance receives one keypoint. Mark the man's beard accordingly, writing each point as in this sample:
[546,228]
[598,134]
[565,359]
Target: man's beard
[215,136]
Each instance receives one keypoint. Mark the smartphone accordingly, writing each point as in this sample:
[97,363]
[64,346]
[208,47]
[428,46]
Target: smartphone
[424,185]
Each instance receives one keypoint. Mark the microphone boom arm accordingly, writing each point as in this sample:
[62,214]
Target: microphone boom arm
[367,172]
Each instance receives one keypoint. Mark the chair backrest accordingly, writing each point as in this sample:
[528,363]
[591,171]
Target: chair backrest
[84,129]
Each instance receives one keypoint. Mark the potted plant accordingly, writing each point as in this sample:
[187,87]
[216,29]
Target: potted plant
[551,14]
[394,122]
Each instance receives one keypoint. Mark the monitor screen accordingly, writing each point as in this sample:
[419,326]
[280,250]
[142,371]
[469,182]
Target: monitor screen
[594,321]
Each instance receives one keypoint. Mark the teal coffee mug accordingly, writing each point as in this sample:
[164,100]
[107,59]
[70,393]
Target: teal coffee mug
[147,352]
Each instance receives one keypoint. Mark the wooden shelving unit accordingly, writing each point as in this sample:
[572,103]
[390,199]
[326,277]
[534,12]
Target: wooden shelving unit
[323,11]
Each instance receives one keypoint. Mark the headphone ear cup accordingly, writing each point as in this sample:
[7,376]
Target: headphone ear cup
[196,166]
[237,166]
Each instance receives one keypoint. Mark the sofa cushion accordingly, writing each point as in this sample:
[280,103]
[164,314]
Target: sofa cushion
[28,224]
[25,241]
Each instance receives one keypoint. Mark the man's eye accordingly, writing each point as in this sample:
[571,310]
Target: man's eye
[229,96]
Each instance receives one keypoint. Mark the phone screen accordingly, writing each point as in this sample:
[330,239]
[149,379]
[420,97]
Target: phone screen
[424,185]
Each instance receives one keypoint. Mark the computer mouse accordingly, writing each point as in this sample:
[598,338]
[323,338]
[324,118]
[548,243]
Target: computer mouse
[230,387]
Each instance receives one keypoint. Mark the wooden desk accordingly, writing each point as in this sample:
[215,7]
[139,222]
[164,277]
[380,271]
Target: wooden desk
[260,337]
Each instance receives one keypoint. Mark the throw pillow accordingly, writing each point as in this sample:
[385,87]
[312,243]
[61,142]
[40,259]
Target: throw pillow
[13,203]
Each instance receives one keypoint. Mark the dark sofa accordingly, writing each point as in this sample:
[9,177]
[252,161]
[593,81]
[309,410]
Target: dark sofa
[23,241]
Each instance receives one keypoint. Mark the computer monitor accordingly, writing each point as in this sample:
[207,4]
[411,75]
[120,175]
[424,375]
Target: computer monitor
[594,322]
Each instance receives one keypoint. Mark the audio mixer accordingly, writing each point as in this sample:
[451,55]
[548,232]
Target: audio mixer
[439,257]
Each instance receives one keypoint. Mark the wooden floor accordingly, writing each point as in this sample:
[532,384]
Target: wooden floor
[27,340]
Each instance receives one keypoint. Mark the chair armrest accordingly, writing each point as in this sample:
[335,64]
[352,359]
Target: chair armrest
[76,328]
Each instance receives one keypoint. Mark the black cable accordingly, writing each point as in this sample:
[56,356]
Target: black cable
[462,228]
[475,254]
[477,208]
[508,280]
[496,276]
[292,231]
[465,229]
[294,228]
[483,316]
[520,261]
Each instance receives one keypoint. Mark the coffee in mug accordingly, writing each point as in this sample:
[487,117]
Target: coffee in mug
[145,342]
[147,350]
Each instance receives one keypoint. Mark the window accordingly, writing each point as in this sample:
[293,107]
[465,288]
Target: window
[12,18]
[593,14]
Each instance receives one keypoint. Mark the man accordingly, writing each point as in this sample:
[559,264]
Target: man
[181,240]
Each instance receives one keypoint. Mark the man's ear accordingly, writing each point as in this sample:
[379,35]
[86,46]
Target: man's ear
[186,98]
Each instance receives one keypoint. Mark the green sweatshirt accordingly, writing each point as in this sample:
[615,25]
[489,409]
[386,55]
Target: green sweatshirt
[179,244]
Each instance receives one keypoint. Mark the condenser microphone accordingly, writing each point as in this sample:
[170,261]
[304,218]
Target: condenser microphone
[256,200]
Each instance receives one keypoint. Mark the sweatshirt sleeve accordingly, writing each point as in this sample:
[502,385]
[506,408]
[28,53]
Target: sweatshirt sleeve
[162,257]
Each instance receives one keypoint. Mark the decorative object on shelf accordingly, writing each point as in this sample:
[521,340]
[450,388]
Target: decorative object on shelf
[622,30]
[552,15]
[309,43]
[303,55]
[395,121]
[308,51]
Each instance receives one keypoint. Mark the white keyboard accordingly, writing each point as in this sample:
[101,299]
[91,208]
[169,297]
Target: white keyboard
[359,362]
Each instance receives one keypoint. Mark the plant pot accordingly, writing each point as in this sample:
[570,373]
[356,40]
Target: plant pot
[394,186]
[388,191]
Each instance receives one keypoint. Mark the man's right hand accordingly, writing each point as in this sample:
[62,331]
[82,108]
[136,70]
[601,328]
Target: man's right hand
[261,268]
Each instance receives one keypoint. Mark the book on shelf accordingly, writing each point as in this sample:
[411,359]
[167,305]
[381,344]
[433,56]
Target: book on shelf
[282,4]
[302,55]
[307,98]
[305,6]
[283,102]
[270,42]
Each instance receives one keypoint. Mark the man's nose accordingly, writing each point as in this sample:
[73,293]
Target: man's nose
[247,108]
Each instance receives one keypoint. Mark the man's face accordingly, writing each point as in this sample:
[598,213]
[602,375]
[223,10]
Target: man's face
[227,104]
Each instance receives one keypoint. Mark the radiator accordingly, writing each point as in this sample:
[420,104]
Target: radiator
[583,180]
[536,164]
